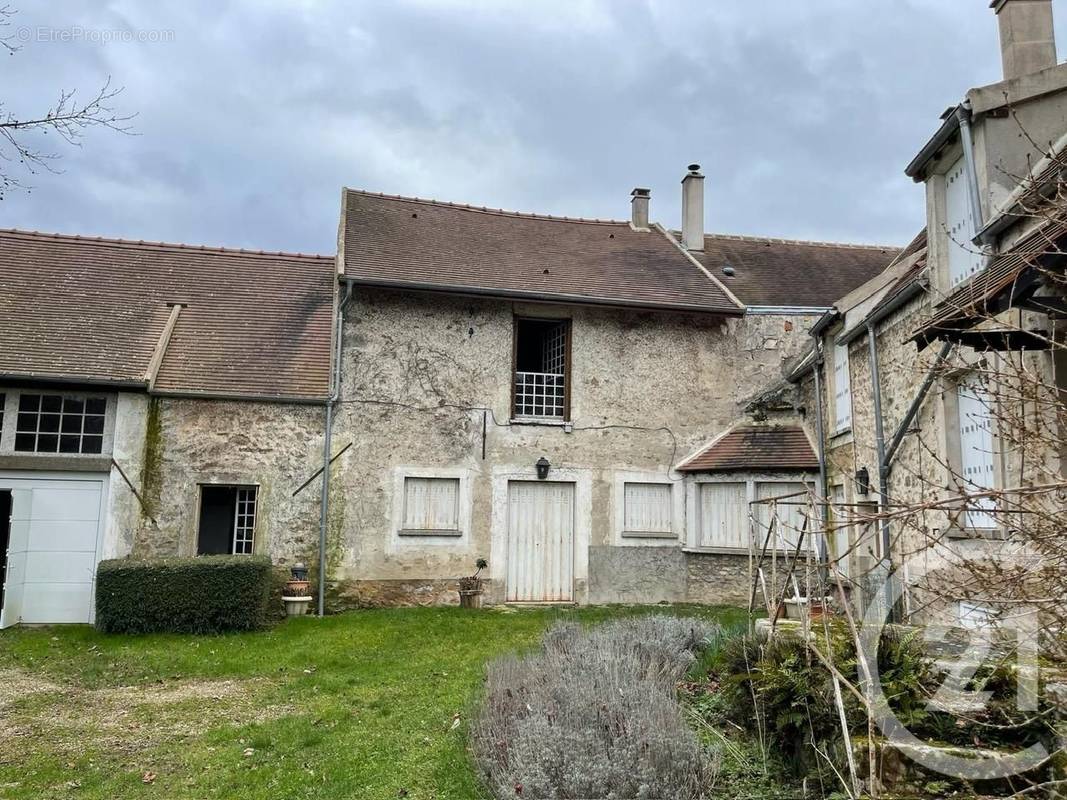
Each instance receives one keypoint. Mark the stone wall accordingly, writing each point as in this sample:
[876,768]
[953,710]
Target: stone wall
[188,442]
[426,385]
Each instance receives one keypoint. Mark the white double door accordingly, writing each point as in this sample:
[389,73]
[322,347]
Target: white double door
[540,553]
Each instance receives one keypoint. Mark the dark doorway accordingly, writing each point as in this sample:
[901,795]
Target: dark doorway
[5,537]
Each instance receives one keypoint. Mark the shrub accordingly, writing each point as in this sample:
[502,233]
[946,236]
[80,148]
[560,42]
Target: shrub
[206,594]
[595,714]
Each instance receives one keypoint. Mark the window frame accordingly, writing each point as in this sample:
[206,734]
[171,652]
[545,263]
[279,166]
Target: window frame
[406,530]
[567,371]
[10,399]
[403,539]
[963,526]
[238,487]
[629,538]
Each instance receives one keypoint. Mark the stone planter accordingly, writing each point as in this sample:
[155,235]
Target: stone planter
[296,606]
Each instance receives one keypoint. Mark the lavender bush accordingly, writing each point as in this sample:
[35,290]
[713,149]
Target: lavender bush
[595,714]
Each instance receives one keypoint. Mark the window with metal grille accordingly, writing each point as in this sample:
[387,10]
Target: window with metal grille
[55,423]
[227,520]
[541,369]
[647,509]
[431,506]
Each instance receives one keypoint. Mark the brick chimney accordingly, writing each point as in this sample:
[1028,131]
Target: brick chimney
[1027,43]
[639,208]
[693,209]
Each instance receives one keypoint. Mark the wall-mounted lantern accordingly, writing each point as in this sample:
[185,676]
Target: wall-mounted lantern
[542,468]
[863,481]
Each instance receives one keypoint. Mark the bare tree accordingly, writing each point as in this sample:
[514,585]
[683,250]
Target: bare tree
[68,118]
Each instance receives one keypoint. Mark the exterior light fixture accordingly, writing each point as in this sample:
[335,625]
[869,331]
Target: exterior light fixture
[863,481]
[542,468]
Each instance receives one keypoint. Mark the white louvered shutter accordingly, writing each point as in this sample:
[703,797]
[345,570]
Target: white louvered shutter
[964,259]
[842,389]
[976,450]
[723,515]
[431,504]
[647,507]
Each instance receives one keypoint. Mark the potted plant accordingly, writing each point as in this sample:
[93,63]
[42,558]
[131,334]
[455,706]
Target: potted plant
[471,587]
[297,593]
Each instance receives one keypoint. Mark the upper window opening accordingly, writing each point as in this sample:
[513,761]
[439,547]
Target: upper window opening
[542,367]
[227,520]
[53,423]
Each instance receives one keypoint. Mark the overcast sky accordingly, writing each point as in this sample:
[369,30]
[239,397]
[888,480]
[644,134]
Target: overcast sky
[252,115]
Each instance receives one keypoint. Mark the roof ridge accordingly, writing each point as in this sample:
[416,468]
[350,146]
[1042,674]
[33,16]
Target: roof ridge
[500,212]
[812,242]
[154,245]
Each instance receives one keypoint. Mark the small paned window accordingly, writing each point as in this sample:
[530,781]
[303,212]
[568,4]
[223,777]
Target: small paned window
[54,423]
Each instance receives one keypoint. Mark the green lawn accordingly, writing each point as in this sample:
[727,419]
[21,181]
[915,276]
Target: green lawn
[370,704]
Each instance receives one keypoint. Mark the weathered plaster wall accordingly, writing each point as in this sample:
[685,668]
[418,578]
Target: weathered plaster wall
[426,380]
[124,512]
[186,442]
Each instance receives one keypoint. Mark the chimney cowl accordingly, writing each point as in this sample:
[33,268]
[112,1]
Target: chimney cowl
[693,209]
[639,203]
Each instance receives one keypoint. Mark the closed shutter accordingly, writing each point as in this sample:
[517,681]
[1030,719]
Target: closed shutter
[964,259]
[792,511]
[842,389]
[976,450]
[723,515]
[431,504]
[842,539]
[647,508]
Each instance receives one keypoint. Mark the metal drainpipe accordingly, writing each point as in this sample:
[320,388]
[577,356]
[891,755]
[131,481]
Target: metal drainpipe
[879,438]
[963,116]
[823,511]
[324,508]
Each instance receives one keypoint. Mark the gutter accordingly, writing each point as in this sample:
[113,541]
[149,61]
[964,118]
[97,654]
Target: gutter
[895,303]
[825,321]
[787,310]
[942,138]
[817,366]
[335,381]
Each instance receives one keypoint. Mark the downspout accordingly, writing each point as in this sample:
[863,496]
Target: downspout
[879,438]
[821,444]
[913,409]
[974,197]
[335,393]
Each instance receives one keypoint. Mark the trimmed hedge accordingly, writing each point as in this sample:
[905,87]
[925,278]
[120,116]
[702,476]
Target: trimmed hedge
[206,594]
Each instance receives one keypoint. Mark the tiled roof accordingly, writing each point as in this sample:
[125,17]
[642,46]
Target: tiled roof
[430,245]
[783,272]
[86,309]
[755,448]
[992,289]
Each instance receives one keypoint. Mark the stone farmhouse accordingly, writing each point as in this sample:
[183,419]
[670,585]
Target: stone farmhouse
[589,405]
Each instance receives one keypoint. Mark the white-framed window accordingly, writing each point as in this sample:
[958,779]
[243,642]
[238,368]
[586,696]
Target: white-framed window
[647,509]
[227,523]
[964,259]
[431,507]
[541,369]
[977,457]
[842,389]
[723,520]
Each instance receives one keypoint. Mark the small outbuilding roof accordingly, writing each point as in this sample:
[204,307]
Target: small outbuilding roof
[755,448]
[92,310]
[429,245]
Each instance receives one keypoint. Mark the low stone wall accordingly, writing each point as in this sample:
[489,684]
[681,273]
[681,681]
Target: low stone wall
[717,578]
[346,595]
[636,575]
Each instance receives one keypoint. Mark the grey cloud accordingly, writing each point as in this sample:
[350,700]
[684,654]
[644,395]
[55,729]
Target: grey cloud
[256,113]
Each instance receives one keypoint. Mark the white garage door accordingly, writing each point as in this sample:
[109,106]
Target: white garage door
[54,543]
[540,563]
